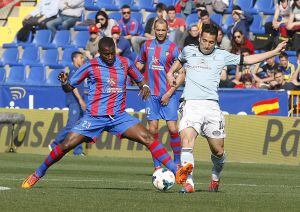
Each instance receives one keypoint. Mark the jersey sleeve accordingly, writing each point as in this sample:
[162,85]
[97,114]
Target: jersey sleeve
[231,59]
[142,58]
[182,56]
[80,75]
[134,73]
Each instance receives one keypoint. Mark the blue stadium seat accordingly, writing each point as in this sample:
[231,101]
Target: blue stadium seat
[37,76]
[52,77]
[115,15]
[264,6]
[50,58]
[256,26]
[151,15]
[228,21]
[42,37]
[138,16]
[269,18]
[31,56]
[17,43]
[107,5]
[217,18]
[66,58]
[10,57]
[62,38]
[229,9]
[89,5]
[90,16]
[167,2]
[293,60]
[291,53]
[2,75]
[120,3]
[146,5]
[81,39]
[191,19]
[246,5]
[17,75]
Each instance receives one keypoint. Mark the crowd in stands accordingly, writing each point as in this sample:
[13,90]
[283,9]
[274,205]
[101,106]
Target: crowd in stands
[242,31]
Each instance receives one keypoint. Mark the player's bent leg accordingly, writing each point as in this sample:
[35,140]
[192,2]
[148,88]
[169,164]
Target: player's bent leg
[175,141]
[71,141]
[140,134]
[153,128]
[218,158]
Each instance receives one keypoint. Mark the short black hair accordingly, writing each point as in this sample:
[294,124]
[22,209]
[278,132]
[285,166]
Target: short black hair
[283,54]
[276,71]
[125,6]
[170,8]
[160,6]
[243,50]
[75,54]
[203,13]
[236,7]
[106,42]
[210,28]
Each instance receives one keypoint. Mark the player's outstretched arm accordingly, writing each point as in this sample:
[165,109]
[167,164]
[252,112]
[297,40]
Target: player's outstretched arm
[170,75]
[63,78]
[145,91]
[251,59]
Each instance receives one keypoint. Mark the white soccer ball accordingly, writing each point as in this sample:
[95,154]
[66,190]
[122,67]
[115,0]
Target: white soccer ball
[163,179]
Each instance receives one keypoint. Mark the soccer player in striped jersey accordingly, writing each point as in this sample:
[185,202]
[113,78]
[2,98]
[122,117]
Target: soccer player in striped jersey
[157,57]
[107,76]
[201,112]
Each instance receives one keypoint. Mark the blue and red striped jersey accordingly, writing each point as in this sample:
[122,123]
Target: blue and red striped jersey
[158,59]
[107,84]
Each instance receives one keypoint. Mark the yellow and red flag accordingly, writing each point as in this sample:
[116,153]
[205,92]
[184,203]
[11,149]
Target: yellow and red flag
[264,107]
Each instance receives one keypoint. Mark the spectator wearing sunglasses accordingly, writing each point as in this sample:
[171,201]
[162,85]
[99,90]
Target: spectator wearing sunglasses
[104,24]
[239,41]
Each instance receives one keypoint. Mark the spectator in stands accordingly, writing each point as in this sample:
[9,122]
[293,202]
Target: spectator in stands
[285,66]
[265,72]
[176,26]
[92,44]
[45,11]
[216,6]
[247,82]
[129,26]
[280,83]
[298,59]
[205,19]
[137,41]
[242,21]
[222,41]
[185,7]
[104,24]
[280,19]
[294,24]
[193,37]
[122,44]
[239,41]
[70,12]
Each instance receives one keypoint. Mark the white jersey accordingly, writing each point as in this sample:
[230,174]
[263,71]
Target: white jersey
[203,72]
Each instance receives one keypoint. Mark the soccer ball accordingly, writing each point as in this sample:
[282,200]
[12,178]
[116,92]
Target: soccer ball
[163,179]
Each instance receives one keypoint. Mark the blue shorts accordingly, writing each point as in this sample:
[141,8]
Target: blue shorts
[93,126]
[155,110]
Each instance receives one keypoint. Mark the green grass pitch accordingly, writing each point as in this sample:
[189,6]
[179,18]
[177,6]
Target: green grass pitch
[119,184]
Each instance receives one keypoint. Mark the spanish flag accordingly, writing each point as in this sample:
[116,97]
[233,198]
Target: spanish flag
[269,106]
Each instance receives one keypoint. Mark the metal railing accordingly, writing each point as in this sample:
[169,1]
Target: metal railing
[294,103]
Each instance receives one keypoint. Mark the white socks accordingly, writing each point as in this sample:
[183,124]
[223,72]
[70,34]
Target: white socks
[188,157]
[218,163]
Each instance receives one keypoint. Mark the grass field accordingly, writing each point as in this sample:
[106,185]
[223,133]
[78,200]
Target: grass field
[118,184]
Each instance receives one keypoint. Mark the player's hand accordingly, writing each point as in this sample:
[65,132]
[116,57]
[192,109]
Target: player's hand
[171,80]
[281,47]
[165,99]
[145,92]
[62,77]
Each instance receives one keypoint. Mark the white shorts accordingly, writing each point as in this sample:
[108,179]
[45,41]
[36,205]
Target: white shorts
[204,116]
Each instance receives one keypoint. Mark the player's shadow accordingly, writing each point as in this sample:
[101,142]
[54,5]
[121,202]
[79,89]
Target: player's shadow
[107,188]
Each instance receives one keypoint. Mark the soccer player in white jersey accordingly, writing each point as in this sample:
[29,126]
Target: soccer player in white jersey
[201,113]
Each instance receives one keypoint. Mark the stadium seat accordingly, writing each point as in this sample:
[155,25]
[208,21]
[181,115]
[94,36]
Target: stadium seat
[31,56]
[115,15]
[229,9]
[256,26]
[62,38]
[246,5]
[269,18]
[291,53]
[263,6]
[138,16]
[217,18]
[107,5]
[49,58]
[90,16]
[89,5]
[17,43]
[228,21]
[52,77]
[146,5]
[167,2]
[192,19]
[42,37]
[66,58]
[10,57]
[2,75]
[151,15]
[120,3]
[37,76]
[17,75]
[293,60]
[81,39]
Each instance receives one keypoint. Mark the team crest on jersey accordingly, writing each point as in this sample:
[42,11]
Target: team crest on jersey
[112,87]
[167,53]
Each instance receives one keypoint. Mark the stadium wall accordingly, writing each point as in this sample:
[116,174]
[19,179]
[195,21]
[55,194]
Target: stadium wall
[250,139]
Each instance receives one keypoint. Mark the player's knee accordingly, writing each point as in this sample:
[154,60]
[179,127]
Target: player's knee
[218,152]
[173,130]
[146,137]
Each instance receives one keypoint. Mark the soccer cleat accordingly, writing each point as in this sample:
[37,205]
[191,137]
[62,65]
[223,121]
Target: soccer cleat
[187,188]
[30,181]
[213,186]
[183,173]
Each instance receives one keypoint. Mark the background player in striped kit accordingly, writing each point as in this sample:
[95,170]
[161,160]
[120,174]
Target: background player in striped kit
[157,57]
[105,111]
